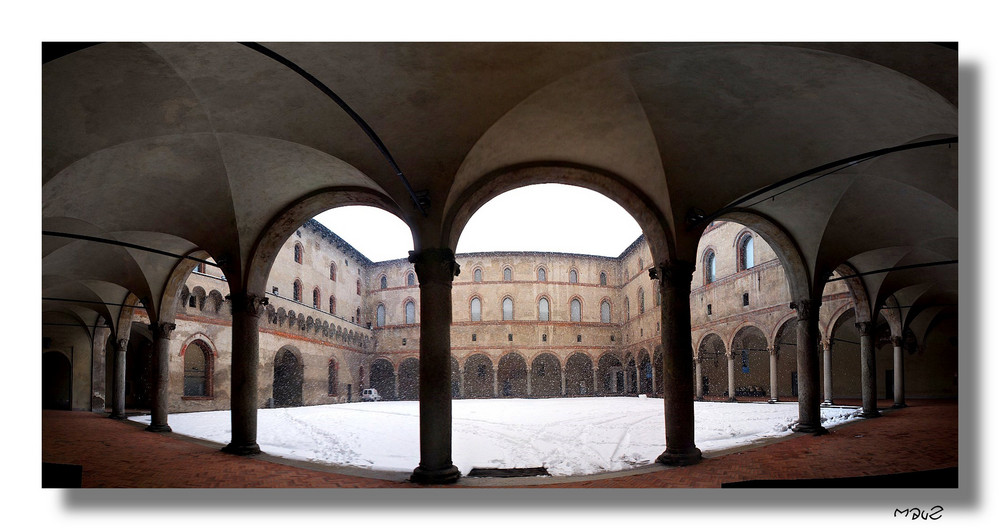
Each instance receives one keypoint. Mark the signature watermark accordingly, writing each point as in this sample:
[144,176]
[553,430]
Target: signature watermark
[914,514]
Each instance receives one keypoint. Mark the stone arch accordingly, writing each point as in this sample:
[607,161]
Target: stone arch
[409,379]
[478,376]
[579,375]
[800,282]
[546,375]
[645,366]
[610,374]
[382,377]
[512,376]
[215,301]
[859,295]
[286,389]
[57,381]
[199,295]
[835,317]
[751,361]
[712,353]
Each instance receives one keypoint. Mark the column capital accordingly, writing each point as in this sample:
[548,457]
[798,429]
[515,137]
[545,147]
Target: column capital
[772,351]
[897,341]
[434,264]
[122,344]
[673,271]
[162,330]
[864,328]
[247,303]
[827,344]
[805,308]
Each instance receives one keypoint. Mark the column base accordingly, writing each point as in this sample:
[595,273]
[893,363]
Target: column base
[731,400]
[159,428]
[115,416]
[816,430]
[242,450]
[826,404]
[448,475]
[678,459]
[870,414]
[899,405]
[772,401]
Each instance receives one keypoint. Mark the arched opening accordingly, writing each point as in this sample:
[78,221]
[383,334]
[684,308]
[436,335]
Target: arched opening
[287,382]
[382,377]
[409,384]
[645,373]
[611,375]
[478,376]
[512,376]
[197,370]
[712,354]
[139,371]
[631,377]
[579,375]
[751,363]
[786,348]
[845,356]
[57,381]
[546,376]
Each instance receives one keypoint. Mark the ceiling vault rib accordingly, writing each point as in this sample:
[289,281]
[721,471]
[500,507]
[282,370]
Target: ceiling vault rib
[51,299]
[420,202]
[891,269]
[129,245]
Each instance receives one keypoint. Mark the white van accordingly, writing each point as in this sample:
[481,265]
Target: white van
[370,394]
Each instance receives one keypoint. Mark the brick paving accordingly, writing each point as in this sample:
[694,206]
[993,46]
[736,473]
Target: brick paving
[121,454]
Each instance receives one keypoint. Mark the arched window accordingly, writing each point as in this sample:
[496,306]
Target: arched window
[358,313]
[604,278]
[606,312]
[709,267]
[333,271]
[380,316]
[411,279]
[508,308]
[331,378]
[333,305]
[297,291]
[477,275]
[746,252]
[359,287]
[572,276]
[642,301]
[316,298]
[476,310]
[383,282]
[197,371]
[507,274]
[574,310]
[541,274]
[628,311]
[298,253]
[543,309]
[411,312]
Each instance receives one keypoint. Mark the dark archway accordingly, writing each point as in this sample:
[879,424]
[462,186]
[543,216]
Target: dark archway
[287,390]
[456,379]
[139,372]
[478,376]
[409,383]
[610,374]
[751,363]
[197,370]
[512,376]
[383,379]
[645,373]
[579,375]
[57,381]
[786,346]
[631,377]
[712,353]
[546,376]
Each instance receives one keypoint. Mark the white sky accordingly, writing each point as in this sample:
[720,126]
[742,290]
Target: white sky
[543,217]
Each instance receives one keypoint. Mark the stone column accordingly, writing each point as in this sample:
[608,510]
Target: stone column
[730,368]
[699,391]
[807,363]
[395,381]
[496,381]
[436,269]
[595,383]
[562,386]
[678,387]
[828,372]
[898,397]
[869,385]
[246,309]
[118,373]
[98,369]
[773,354]
[161,375]
[461,382]
[652,370]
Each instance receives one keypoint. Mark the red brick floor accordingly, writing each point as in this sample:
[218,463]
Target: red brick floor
[117,454]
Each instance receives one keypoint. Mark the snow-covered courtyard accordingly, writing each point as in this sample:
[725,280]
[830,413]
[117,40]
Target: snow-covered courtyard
[575,436]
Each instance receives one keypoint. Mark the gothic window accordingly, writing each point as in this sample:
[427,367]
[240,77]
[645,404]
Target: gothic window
[359,286]
[572,276]
[476,310]
[574,310]
[746,252]
[606,312]
[333,305]
[333,271]
[316,298]
[358,313]
[298,253]
[197,370]
[507,275]
[383,282]
[477,275]
[543,309]
[604,278]
[628,311]
[380,316]
[709,267]
[541,274]
[642,301]
[411,279]
[508,308]
[411,312]
[297,291]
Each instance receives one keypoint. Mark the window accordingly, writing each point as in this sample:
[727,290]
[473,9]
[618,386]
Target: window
[510,337]
[709,267]
[331,378]
[383,282]
[333,305]
[606,312]
[640,264]
[380,316]
[541,274]
[746,252]
[477,275]
[274,290]
[628,311]
[545,337]
[358,313]
[359,287]
[411,312]
[476,309]
[507,275]
[572,276]
[604,278]
[200,268]
[316,298]
[642,301]
[709,309]
[574,310]
[411,279]
[298,253]
[543,309]
[197,369]
[746,299]
[508,309]
[297,291]
[333,271]
[473,337]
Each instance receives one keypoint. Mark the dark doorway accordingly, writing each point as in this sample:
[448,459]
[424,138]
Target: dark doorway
[287,380]
[383,379]
[889,384]
[57,381]
[139,373]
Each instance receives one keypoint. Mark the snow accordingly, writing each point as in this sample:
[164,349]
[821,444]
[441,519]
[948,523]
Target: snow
[577,436]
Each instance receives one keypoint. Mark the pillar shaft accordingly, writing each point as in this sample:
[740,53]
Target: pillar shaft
[161,375]
[436,269]
[699,391]
[807,363]
[898,391]
[595,383]
[562,386]
[118,374]
[98,386]
[773,355]
[677,384]
[869,385]
[828,372]
[247,308]
[731,369]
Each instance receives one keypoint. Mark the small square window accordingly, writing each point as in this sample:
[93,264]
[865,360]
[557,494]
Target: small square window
[404,342]
[640,332]
[473,337]
[545,337]
[612,338]
[746,299]
[709,309]
[510,337]
[579,338]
